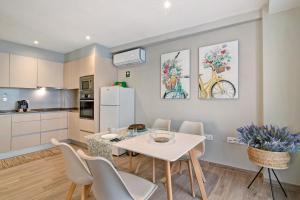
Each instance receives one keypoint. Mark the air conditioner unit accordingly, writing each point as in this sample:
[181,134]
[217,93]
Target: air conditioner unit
[135,56]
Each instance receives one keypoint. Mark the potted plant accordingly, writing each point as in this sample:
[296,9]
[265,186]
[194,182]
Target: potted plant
[269,146]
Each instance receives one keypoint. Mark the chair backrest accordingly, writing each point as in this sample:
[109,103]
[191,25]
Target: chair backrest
[76,169]
[195,128]
[162,124]
[107,183]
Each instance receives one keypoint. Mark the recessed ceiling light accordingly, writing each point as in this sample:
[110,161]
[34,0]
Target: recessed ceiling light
[36,42]
[87,37]
[167,4]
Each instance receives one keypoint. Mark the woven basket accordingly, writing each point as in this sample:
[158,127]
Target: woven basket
[269,159]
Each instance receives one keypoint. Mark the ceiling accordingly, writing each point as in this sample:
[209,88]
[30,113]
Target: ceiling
[61,25]
[282,5]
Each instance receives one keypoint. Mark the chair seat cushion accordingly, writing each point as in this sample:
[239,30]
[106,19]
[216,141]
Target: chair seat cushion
[138,187]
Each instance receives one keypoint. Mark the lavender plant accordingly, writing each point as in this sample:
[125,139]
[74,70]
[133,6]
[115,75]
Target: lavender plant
[269,138]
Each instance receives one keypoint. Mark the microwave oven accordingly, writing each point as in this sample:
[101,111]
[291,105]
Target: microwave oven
[87,83]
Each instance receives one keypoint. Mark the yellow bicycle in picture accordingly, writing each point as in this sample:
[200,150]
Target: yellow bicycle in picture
[217,86]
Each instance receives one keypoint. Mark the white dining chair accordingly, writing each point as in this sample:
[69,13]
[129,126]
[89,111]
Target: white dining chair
[159,124]
[162,124]
[116,185]
[197,129]
[76,169]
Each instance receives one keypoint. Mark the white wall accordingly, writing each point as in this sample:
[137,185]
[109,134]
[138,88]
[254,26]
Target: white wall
[281,100]
[220,117]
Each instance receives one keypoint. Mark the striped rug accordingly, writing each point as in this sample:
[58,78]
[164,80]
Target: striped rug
[19,160]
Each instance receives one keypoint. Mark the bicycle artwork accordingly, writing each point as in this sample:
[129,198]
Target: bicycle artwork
[218,71]
[175,75]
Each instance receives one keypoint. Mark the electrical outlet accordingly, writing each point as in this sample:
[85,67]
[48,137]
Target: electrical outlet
[209,137]
[233,140]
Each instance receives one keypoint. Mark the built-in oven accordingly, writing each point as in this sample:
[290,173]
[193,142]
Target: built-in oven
[87,97]
[87,109]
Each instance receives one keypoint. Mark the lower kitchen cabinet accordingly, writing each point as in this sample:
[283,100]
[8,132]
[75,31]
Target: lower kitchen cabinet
[82,136]
[25,141]
[73,126]
[5,133]
[57,134]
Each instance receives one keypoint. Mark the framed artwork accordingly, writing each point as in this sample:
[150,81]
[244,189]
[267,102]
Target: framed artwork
[175,75]
[218,71]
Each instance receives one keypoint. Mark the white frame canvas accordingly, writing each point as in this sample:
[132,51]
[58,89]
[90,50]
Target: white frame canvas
[175,75]
[218,71]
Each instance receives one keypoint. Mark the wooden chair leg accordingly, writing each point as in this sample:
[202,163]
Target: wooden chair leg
[89,187]
[137,169]
[203,177]
[71,191]
[153,170]
[191,177]
[85,191]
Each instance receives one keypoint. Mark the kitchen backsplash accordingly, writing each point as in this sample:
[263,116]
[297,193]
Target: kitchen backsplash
[38,98]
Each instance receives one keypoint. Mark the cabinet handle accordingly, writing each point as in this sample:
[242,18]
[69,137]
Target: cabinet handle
[86,131]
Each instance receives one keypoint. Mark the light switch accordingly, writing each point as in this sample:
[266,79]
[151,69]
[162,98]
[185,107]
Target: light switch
[127,74]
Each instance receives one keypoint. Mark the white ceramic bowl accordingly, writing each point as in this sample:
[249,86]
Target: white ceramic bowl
[159,136]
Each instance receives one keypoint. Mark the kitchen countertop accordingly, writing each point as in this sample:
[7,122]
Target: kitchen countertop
[5,112]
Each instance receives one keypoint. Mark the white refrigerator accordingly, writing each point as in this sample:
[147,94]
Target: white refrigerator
[116,107]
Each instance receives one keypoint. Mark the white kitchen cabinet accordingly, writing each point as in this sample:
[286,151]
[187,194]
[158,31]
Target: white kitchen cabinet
[86,66]
[57,134]
[50,74]
[54,124]
[5,133]
[73,126]
[82,135]
[23,71]
[24,128]
[87,125]
[24,124]
[4,70]
[54,115]
[71,75]
[26,117]
[25,141]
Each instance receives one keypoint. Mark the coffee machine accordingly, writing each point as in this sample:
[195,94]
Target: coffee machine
[22,106]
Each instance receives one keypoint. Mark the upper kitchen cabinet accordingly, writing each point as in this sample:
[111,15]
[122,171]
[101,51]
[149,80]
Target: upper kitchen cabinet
[23,71]
[71,75]
[87,66]
[4,70]
[50,74]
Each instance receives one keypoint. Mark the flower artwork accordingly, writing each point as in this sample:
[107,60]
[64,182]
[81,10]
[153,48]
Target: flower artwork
[218,71]
[175,75]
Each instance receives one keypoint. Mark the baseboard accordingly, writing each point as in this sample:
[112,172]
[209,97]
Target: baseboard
[208,163]
[287,186]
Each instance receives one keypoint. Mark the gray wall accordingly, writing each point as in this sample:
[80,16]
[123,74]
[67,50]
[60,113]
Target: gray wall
[220,117]
[50,98]
[281,55]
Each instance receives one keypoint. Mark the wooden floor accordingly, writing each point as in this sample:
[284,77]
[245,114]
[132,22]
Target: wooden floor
[45,179]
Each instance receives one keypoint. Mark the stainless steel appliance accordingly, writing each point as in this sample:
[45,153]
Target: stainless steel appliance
[87,83]
[87,97]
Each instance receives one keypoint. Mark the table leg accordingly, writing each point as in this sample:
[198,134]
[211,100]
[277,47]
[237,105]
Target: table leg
[153,170]
[198,172]
[130,161]
[169,181]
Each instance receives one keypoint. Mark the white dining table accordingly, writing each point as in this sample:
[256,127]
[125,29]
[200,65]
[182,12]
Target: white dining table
[168,152]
